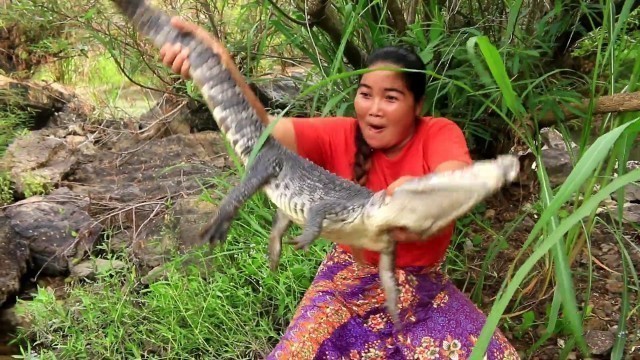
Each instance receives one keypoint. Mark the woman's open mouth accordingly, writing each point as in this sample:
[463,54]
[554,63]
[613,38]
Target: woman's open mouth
[376,129]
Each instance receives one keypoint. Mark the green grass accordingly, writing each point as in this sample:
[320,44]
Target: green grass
[223,303]
[13,123]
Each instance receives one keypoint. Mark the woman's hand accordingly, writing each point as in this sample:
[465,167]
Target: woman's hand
[175,56]
[399,181]
[401,233]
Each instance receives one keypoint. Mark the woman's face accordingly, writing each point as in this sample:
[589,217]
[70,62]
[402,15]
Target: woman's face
[385,108]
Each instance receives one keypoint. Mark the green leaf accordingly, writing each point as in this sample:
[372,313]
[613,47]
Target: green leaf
[581,173]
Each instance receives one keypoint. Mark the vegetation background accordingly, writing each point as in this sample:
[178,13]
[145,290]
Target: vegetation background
[503,70]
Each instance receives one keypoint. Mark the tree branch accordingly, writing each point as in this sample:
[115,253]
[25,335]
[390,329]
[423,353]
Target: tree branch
[327,18]
[212,20]
[622,102]
[287,16]
[411,13]
[397,15]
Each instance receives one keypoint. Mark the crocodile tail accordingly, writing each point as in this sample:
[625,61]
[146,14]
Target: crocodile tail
[236,109]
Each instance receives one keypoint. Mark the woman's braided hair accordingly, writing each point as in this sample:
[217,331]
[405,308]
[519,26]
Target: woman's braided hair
[416,82]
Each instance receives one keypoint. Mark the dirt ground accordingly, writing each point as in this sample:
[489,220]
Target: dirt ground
[606,284]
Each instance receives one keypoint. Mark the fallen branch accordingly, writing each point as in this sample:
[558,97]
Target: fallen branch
[622,102]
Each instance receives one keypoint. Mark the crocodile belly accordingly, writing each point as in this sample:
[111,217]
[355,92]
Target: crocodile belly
[355,235]
[293,206]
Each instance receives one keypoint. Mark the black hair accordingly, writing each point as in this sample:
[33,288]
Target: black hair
[405,58]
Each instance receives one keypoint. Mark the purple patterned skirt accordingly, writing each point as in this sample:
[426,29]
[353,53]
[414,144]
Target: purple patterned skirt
[342,316]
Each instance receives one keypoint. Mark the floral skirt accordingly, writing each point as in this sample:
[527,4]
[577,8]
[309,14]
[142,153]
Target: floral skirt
[342,316]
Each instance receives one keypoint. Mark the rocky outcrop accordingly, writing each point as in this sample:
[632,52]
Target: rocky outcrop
[57,229]
[14,260]
[558,158]
[44,233]
[75,179]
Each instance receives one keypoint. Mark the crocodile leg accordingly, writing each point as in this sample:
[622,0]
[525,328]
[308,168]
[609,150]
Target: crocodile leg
[281,223]
[313,226]
[257,176]
[386,269]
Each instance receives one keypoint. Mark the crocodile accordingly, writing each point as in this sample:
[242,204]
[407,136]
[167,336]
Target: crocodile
[322,203]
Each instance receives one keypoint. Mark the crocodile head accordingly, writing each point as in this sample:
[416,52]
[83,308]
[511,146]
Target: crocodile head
[426,204]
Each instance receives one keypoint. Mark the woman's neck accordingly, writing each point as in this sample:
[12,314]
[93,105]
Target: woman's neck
[396,149]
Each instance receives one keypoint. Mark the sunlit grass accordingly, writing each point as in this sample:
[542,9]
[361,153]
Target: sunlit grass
[222,303]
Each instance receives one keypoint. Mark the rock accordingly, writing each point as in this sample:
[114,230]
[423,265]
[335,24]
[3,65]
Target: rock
[555,156]
[172,115]
[558,164]
[527,224]
[155,274]
[179,231]
[612,260]
[599,342]
[609,307]
[14,260]
[614,286]
[631,191]
[132,173]
[9,323]
[37,162]
[56,227]
[133,185]
[41,100]
[599,312]
[155,243]
[490,214]
[635,255]
[191,213]
[89,268]
[277,92]
[196,260]
[630,212]
[74,141]
[553,139]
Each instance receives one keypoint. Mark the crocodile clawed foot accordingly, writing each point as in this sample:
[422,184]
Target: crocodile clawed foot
[216,232]
[301,242]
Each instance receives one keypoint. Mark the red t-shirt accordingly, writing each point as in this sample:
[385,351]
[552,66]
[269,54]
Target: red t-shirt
[330,143]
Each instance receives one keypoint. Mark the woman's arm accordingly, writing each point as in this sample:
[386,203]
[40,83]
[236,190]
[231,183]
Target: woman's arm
[284,132]
[176,58]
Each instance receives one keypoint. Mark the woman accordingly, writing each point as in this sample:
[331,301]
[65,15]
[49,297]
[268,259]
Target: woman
[342,315]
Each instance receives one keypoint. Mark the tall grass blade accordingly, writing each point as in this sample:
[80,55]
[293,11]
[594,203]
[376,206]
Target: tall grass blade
[514,12]
[618,346]
[545,246]
[562,267]
[499,72]
[581,173]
